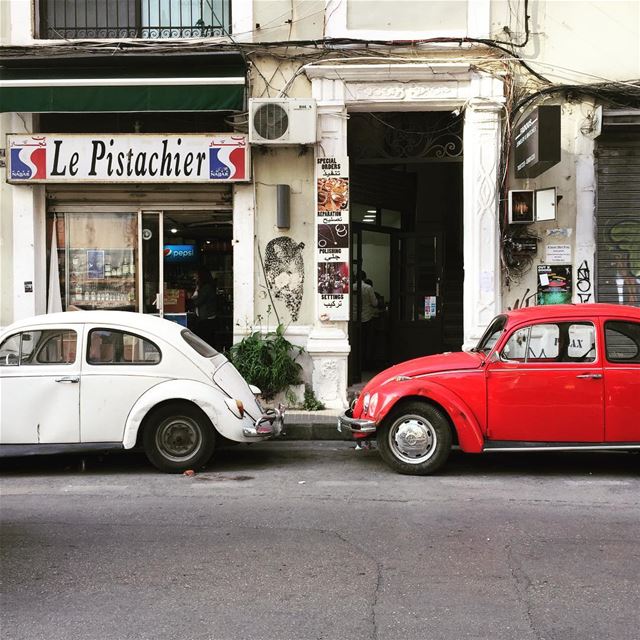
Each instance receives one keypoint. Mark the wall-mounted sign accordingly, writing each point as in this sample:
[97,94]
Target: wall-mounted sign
[554,284]
[536,141]
[136,158]
[332,232]
[558,253]
[521,207]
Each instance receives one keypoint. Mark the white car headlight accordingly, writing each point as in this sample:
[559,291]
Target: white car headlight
[365,402]
[373,404]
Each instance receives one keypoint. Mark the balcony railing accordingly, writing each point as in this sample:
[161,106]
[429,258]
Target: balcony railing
[88,19]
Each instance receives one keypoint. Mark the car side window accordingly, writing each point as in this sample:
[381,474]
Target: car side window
[10,351]
[622,340]
[50,346]
[109,346]
[552,342]
[534,343]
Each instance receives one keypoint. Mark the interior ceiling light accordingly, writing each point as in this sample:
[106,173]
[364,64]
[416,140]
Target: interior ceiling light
[174,230]
[371,211]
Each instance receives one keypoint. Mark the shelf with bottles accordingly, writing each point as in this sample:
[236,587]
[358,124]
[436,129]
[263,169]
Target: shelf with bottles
[102,278]
[101,298]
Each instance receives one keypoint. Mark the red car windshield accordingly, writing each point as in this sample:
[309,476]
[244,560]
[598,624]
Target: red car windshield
[491,335]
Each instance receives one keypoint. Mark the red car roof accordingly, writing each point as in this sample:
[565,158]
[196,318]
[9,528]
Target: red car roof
[573,310]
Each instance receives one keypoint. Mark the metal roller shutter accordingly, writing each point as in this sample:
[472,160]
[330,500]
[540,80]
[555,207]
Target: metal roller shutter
[114,197]
[618,218]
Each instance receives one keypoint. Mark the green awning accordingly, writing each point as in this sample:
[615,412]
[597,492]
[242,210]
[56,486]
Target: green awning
[126,84]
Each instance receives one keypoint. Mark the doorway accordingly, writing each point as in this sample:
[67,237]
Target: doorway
[179,249]
[407,235]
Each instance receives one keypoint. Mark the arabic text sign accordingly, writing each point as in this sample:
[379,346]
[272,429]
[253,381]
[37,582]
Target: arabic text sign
[332,248]
[127,158]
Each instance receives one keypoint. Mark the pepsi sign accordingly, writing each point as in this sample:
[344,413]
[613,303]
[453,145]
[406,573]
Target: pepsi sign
[174,253]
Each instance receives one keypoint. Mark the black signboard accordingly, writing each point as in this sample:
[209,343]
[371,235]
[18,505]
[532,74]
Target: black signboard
[537,141]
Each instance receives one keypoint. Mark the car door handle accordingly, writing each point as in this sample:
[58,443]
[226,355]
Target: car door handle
[69,379]
[592,376]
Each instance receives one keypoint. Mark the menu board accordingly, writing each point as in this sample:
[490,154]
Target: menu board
[332,238]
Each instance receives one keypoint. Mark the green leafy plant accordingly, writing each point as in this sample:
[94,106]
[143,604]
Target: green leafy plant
[267,360]
[311,403]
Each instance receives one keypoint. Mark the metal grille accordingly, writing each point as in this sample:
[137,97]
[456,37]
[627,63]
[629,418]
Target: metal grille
[79,19]
[618,217]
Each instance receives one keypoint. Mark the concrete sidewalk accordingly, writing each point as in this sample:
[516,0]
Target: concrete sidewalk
[313,425]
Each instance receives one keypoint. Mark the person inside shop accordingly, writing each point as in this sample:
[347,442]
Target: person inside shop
[368,313]
[204,299]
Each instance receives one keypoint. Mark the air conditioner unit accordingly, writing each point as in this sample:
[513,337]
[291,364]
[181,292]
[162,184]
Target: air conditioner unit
[282,121]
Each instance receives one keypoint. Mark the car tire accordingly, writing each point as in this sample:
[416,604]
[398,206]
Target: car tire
[415,439]
[178,437]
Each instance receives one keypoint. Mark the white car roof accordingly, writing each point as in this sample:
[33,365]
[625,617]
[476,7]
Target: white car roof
[129,319]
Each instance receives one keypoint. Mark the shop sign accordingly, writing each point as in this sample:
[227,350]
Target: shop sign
[139,158]
[332,244]
[537,141]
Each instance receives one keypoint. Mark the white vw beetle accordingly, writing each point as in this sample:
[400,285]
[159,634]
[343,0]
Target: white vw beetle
[96,380]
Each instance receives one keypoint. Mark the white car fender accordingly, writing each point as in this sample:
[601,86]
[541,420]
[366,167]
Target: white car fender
[207,397]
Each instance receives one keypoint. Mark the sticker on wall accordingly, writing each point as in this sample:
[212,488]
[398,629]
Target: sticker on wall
[284,266]
[430,307]
[554,284]
[332,247]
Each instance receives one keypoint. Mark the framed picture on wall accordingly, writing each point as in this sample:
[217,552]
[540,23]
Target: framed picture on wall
[521,207]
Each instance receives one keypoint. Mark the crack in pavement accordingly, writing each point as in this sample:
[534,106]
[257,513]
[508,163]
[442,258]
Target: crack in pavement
[523,585]
[376,593]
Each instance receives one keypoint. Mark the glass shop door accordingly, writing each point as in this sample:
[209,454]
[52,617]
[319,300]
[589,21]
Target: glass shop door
[151,243]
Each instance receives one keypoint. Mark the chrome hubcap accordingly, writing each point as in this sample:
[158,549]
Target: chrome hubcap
[178,438]
[413,439]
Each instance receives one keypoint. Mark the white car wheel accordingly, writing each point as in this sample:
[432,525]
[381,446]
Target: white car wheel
[178,437]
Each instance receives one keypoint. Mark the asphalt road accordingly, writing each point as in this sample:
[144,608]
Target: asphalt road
[315,540]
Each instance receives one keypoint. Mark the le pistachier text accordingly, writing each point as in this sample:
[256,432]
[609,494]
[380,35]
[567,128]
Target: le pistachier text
[131,163]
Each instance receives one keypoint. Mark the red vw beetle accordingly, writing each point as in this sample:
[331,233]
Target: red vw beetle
[563,377]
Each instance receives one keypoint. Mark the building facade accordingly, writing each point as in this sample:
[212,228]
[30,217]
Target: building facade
[428,162]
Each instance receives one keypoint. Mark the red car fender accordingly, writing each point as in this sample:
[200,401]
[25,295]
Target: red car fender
[470,436]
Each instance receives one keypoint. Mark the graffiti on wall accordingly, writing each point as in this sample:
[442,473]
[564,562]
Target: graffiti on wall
[584,286]
[625,236]
[284,267]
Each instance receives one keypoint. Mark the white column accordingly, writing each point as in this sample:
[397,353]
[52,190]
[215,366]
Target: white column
[481,224]
[24,252]
[328,344]
[585,253]
[243,259]
[23,265]
[16,22]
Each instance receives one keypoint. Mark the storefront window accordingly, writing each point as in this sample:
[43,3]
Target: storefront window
[101,260]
